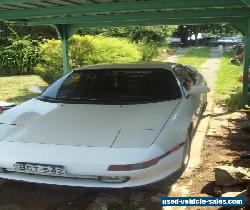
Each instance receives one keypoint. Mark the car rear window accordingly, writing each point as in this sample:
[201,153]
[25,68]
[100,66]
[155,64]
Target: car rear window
[114,85]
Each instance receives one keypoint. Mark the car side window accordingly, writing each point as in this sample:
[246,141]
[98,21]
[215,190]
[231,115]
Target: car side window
[185,75]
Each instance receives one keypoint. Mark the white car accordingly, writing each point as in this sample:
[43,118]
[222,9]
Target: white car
[112,126]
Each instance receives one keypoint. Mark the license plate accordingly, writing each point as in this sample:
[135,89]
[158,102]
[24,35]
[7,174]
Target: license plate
[43,169]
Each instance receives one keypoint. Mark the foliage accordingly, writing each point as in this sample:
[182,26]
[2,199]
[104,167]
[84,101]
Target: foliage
[19,48]
[16,88]
[50,65]
[85,50]
[195,56]
[218,30]
[82,49]
[208,30]
[19,58]
[145,34]
[114,50]
[228,89]
[138,34]
[148,51]
[10,31]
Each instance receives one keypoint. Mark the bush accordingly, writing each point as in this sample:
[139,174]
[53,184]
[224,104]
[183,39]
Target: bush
[19,58]
[81,50]
[114,50]
[148,51]
[50,65]
[84,50]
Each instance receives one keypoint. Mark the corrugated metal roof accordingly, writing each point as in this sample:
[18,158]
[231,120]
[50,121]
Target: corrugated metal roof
[14,5]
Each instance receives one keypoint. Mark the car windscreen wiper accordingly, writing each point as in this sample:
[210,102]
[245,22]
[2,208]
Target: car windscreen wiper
[78,99]
[107,100]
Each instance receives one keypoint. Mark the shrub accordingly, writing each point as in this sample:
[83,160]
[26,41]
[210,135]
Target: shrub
[148,51]
[81,50]
[50,65]
[114,50]
[20,57]
[84,50]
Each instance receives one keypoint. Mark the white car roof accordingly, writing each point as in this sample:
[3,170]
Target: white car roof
[155,65]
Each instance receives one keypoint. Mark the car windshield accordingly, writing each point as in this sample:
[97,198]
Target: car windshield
[113,86]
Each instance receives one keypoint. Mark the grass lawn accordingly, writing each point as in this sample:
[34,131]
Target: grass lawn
[16,88]
[228,90]
[195,56]
[164,53]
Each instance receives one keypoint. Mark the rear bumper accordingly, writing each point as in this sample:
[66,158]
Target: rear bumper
[82,161]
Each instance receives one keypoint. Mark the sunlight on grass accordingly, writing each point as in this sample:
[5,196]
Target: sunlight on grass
[16,88]
[228,90]
[164,53]
[195,56]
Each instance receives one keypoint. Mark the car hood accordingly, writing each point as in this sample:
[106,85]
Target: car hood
[91,125]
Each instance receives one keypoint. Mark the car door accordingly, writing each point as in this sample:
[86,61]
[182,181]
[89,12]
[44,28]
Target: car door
[188,78]
[202,98]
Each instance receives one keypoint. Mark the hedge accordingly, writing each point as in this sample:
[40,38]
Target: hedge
[85,50]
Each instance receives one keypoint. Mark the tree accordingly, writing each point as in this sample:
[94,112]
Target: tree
[145,34]
[218,30]
[187,31]
[11,30]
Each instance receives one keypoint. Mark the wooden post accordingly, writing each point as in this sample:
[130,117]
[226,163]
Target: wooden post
[246,63]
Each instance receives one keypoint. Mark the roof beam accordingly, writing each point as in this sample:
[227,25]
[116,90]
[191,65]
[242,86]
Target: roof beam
[146,16]
[16,1]
[241,26]
[117,7]
[191,21]
[246,2]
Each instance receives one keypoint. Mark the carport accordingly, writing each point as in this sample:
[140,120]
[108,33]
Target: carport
[67,16]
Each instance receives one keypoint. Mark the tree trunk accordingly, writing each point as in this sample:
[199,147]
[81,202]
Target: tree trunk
[196,32]
[184,35]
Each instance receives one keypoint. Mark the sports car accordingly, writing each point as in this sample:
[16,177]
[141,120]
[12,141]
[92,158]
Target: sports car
[110,126]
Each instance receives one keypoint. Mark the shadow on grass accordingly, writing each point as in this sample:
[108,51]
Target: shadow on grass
[26,95]
[199,52]
[234,102]
[231,102]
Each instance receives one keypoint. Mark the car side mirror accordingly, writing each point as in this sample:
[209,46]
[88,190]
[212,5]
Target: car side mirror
[196,90]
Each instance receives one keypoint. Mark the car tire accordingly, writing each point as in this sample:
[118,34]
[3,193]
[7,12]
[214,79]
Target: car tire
[186,152]
[204,106]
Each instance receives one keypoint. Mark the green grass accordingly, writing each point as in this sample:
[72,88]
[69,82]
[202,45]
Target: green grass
[228,90]
[164,53]
[195,56]
[16,88]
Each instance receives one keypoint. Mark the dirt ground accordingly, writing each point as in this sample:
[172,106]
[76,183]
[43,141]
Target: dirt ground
[226,140]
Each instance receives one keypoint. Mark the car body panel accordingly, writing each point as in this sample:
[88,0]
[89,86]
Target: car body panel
[86,139]
[84,170]
[114,125]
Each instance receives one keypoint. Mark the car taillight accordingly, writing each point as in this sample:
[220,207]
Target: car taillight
[137,166]
[146,164]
